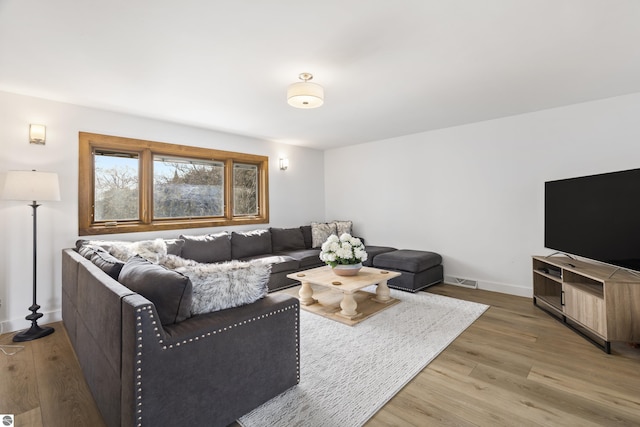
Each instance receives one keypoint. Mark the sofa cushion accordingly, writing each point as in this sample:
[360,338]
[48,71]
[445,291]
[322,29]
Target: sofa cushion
[321,231]
[410,260]
[374,251]
[226,285]
[170,291]
[284,239]
[250,243]
[208,248]
[279,263]
[306,257]
[308,237]
[101,258]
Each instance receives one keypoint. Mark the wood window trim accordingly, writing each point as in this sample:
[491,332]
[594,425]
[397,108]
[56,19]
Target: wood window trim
[88,142]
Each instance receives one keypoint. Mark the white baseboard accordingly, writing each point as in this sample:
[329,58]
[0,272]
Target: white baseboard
[15,325]
[505,289]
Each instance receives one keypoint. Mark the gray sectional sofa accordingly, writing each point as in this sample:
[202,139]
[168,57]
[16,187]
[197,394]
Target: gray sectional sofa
[145,370]
[150,361]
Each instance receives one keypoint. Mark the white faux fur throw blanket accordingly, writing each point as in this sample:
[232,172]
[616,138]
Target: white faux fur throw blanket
[153,250]
[222,285]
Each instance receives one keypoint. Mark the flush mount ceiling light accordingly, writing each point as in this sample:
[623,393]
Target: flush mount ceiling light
[304,94]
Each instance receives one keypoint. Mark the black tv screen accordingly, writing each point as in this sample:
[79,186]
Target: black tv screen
[596,217]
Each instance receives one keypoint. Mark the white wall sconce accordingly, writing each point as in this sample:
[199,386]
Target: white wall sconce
[37,134]
[284,163]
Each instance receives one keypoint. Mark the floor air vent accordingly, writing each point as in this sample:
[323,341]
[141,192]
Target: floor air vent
[458,281]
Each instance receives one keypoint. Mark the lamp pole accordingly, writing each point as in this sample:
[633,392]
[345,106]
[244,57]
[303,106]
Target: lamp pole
[35,331]
[25,186]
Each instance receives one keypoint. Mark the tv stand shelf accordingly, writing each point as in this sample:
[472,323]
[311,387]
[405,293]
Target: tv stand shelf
[600,302]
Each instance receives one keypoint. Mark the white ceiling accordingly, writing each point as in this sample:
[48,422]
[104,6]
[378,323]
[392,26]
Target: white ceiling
[389,68]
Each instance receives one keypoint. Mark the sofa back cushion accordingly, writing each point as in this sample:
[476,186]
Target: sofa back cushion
[250,243]
[208,248]
[168,290]
[308,237]
[286,239]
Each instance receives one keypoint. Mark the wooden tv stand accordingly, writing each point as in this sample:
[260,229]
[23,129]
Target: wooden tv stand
[600,302]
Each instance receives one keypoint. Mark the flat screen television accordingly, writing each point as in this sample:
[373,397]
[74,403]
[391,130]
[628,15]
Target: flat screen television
[595,217]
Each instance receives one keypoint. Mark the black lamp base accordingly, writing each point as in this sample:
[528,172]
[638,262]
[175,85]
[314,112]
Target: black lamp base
[33,333]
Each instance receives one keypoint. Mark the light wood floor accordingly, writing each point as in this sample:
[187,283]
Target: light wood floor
[515,366]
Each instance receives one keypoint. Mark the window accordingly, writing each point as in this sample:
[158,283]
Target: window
[116,186]
[184,188]
[128,185]
[245,183]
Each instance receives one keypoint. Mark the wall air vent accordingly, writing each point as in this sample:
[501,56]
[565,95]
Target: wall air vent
[459,281]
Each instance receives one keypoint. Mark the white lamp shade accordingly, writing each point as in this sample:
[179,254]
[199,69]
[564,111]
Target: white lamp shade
[31,185]
[305,95]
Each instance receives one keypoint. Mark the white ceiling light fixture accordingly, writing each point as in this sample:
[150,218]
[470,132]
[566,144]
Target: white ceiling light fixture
[305,94]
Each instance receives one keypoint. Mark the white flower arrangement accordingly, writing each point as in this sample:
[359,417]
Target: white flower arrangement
[345,250]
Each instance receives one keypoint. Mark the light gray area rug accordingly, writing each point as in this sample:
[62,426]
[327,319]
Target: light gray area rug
[349,372]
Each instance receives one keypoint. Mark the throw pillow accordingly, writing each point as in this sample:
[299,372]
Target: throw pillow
[207,248]
[343,227]
[102,259]
[226,285]
[87,250]
[174,246]
[169,291]
[250,243]
[320,232]
[286,239]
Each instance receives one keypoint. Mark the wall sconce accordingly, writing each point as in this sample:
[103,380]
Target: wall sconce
[284,163]
[37,134]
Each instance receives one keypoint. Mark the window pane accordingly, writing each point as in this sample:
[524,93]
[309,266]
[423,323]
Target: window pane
[116,186]
[245,189]
[185,188]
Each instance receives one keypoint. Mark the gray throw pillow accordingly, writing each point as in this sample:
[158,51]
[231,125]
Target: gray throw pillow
[208,248]
[102,259]
[286,239]
[320,232]
[250,243]
[168,290]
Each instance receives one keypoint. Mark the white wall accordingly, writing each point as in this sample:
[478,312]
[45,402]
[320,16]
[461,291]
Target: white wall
[475,193]
[296,195]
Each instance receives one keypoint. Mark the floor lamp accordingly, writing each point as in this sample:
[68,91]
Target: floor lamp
[34,186]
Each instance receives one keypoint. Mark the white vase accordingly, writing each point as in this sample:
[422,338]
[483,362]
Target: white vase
[347,269]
